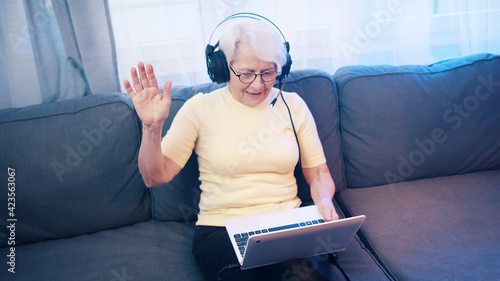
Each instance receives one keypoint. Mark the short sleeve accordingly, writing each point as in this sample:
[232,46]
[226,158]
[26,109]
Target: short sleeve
[311,149]
[180,139]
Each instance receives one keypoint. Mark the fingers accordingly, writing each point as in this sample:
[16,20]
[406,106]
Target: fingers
[327,213]
[167,89]
[327,209]
[332,214]
[140,80]
[129,89]
[335,216]
[151,76]
[142,75]
[146,77]
[135,80]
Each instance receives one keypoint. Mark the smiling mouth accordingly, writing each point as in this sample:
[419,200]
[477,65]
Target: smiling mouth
[254,94]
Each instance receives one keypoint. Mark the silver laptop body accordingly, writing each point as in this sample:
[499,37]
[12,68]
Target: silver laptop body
[297,233]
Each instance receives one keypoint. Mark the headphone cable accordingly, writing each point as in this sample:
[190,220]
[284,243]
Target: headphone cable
[281,86]
[282,83]
[231,266]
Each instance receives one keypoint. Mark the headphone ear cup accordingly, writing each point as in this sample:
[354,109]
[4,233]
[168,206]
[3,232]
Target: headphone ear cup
[217,68]
[209,52]
[224,68]
[285,69]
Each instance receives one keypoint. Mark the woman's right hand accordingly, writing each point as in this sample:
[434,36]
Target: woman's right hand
[151,106]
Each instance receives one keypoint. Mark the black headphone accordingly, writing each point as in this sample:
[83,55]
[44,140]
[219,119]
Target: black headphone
[217,65]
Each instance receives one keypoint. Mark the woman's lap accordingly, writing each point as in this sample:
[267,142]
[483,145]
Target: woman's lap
[212,250]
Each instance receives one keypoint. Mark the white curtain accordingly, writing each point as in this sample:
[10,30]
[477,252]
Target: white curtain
[88,36]
[51,50]
[323,34]
[31,53]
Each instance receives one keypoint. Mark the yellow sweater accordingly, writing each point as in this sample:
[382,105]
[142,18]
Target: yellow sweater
[246,155]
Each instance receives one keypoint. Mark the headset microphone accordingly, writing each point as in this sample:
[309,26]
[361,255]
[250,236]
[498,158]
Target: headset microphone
[271,105]
[274,101]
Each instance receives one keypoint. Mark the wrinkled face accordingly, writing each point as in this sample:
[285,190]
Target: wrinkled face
[256,92]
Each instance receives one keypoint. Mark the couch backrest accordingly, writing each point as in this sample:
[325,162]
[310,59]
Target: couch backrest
[75,167]
[401,123]
[178,200]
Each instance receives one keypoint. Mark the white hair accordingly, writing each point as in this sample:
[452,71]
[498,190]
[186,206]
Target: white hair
[264,38]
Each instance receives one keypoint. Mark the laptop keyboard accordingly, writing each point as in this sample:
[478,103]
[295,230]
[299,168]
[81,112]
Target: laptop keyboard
[242,238]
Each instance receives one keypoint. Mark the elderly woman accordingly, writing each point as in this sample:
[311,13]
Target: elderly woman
[246,149]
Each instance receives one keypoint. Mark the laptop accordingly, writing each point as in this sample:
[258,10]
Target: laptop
[297,233]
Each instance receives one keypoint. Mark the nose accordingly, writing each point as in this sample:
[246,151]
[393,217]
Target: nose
[258,83]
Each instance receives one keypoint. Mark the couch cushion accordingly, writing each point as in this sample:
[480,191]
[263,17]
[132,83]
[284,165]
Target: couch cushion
[149,250]
[76,167]
[445,228]
[409,122]
[178,200]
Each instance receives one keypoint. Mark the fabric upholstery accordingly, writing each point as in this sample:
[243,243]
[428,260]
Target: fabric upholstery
[76,167]
[149,250]
[444,228]
[408,122]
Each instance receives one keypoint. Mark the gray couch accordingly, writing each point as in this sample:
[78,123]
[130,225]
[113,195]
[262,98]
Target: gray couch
[414,148]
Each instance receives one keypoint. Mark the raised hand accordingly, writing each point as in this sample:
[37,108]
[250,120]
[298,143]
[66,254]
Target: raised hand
[151,106]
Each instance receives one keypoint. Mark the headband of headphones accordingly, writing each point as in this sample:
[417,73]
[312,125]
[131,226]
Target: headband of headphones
[217,65]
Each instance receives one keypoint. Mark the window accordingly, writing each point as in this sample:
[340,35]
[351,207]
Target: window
[323,34]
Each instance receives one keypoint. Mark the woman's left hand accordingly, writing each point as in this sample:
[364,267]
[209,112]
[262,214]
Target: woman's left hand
[322,190]
[326,208]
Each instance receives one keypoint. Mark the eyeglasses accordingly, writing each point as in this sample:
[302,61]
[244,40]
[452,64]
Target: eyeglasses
[249,77]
